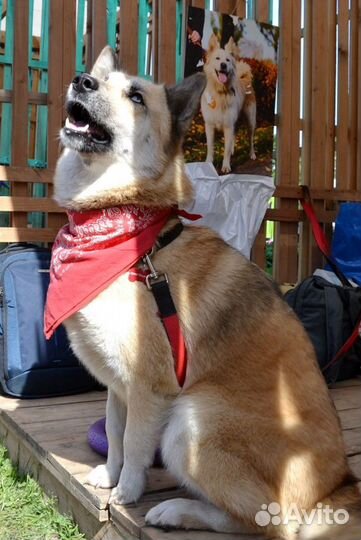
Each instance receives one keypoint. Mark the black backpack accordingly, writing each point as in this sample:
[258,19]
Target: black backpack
[331,316]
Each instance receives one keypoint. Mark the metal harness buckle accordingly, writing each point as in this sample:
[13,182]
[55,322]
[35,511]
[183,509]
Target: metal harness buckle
[154,276]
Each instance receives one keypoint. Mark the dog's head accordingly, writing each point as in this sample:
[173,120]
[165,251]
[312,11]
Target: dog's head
[121,133]
[220,63]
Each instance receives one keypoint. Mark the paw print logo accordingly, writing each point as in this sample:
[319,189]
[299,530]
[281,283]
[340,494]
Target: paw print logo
[268,514]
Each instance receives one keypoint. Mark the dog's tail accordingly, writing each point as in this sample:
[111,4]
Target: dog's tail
[338,517]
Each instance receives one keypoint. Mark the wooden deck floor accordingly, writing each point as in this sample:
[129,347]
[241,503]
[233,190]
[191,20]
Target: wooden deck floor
[48,439]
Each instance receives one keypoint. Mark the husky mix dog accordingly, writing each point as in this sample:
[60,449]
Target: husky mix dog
[228,91]
[253,423]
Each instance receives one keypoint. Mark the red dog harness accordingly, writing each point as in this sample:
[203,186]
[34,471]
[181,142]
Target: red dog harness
[98,246]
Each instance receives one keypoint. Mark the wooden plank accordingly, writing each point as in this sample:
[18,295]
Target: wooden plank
[198,3]
[128,36]
[19,146]
[286,237]
[358,172]
[131,517]
[99,29]
[36,98]
[355,463]
[24,234]
[68,42]
[352,438]
[25,174]
[347,398]
[48,413]
[55,85]
[354,146]
[295,192]
[226,6]
[11,404]
[167,32]
[151,533]
[262,10]
[350,418]
[342,141]
[29,204]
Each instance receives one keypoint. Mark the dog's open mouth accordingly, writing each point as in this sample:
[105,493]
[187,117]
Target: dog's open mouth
[222,76]
[81,125]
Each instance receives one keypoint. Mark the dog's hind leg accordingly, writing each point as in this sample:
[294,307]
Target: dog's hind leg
[228,148]
[192,514]
[210,142]
[106,476]
[250,111]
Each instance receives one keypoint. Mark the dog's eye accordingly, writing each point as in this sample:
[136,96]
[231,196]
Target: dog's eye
[217,58]
[228,60]
[137,98]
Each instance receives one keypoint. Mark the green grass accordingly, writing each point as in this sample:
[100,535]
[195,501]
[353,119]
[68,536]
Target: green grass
[26,513]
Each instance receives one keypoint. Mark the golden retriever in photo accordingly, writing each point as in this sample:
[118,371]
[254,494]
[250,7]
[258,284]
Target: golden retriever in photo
[228,91]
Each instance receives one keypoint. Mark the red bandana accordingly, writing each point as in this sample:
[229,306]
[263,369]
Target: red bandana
[105,244]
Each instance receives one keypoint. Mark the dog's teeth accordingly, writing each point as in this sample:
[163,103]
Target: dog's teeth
[74,127]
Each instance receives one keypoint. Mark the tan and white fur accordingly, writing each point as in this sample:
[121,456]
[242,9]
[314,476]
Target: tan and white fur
[228,91]
[254,423]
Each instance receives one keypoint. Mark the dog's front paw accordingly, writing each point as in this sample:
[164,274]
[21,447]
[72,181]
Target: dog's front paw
[103,476]
[253,155]
[131,486]
[226,168]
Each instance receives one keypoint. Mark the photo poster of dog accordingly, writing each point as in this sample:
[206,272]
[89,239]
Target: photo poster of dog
[235,126]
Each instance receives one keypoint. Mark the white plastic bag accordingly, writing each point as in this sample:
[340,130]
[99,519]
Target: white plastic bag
[233,205]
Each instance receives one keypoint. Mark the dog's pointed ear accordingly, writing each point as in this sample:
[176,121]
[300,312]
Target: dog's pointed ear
[232,48]
[105,63]
[183,102]
[213,43]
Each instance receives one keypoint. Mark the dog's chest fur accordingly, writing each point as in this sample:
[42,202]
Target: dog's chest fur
[221,109]
[119,337]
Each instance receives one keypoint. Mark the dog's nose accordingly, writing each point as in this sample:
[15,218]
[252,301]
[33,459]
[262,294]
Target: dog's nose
[85,83]
[223,66]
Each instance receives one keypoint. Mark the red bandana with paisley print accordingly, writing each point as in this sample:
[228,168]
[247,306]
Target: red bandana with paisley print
[92,250]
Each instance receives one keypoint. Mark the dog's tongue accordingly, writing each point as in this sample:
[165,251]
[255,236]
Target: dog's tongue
[222,77]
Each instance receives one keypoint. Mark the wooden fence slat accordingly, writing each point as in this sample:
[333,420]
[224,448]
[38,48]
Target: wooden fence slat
[128,36]
[258,254]
[61,71]
[20,104]
[198,3]
[262,10]
[286,238]
[331,96]
[166,41]
[25,234]
[355,98]
[55,85]
[99,34]
[25,174]
[358,173]
[226,6]
[28,204]
[342,141]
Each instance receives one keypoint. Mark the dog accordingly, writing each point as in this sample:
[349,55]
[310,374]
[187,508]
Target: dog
[229,90]
[253,422]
